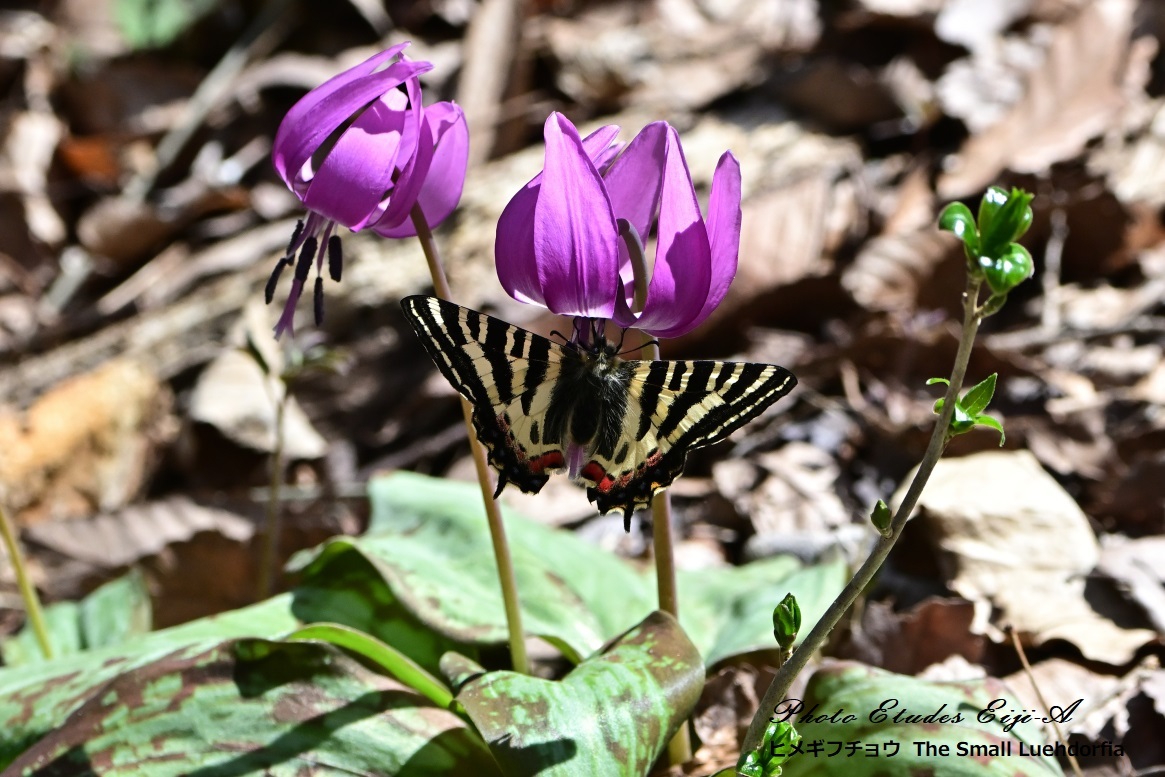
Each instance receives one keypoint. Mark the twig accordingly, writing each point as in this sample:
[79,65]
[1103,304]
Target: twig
[1027,670]
[820,632]
[273,527]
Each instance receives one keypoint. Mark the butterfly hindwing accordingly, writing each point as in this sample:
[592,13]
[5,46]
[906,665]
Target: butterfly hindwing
[507,374]
[672,408]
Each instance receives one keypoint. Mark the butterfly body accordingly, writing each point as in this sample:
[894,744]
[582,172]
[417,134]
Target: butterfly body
[620,427]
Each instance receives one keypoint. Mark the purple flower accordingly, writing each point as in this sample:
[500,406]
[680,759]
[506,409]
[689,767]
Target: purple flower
[361,151]
[559,244]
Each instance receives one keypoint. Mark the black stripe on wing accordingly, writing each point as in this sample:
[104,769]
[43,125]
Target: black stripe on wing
[688,405]
[494,364]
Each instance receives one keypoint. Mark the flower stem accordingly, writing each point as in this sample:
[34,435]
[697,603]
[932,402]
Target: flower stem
[663,542]
[27,589]
[493,513]
[272,526]
[679,749]
[778,689]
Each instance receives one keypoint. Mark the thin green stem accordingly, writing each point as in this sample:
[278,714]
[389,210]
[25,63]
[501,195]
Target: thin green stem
[817,636]
[27,589]
[493,513]
[272,526]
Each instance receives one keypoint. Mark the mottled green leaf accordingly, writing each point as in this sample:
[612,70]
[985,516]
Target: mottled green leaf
[111,614]
[342,584]
[729,611]
[899,717]
[35,699]
[63,626]
[429,542]
[435,584]
[613,714]
[257,707]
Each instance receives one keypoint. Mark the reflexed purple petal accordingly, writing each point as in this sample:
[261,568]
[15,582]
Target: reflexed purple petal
[723,229]
[303,109]
[412,174]
[575,238]
[303,131]
[635,178]
[514,246]
[349,187]
[601,147]
[441,190]
[514,254]
[682,272]
[446,179]
[633,182]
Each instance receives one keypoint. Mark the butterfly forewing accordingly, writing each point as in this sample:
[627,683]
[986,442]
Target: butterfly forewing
[529,393]
[507,374]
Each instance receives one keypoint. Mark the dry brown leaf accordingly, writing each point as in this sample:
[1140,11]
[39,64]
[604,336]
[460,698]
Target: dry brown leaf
[1106,307]
[1072,96]
[1011,538]
[679,58]
[1139,566]
[907,8]
[727,703]
[889,272]
[1135,168]
[88,445]
[28,146]
[1105,697]
[796,490]
[239,398]
[929,633]
[975,24]
[124,537]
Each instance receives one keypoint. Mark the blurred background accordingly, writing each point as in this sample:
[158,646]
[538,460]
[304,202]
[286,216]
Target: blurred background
[140,217]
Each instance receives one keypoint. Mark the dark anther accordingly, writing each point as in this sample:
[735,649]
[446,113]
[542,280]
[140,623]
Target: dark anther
[318,300]
[335,258]
[273,281]
[295,238]
[305,256]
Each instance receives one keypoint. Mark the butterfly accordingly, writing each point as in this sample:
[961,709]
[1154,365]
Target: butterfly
[622,427]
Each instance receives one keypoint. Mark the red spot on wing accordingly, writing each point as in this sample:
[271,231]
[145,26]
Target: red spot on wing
[549,460]
[594,472]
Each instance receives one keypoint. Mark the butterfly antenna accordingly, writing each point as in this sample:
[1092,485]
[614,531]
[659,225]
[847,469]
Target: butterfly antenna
[637,347]
[560,335]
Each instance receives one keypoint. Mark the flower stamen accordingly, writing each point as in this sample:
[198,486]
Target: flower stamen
[639,272]
[273,281]
[335,258]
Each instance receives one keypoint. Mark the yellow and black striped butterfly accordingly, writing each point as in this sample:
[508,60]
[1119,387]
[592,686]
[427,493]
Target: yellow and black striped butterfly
[633,422]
